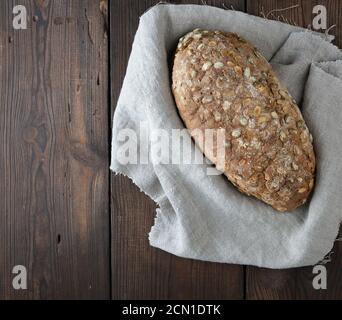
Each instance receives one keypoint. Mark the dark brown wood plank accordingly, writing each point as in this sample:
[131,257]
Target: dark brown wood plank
[54,212]
[299,12]
[296,283]
[139,271]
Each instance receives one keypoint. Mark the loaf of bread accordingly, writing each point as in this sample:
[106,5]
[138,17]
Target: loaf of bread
[221,81]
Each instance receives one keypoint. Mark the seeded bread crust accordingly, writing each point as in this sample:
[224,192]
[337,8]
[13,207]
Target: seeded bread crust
[222,81]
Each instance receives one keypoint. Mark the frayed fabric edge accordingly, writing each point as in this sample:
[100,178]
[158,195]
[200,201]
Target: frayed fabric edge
[323,36]
[118,172]
[158,211]
[158,219]
[154,228]
[328,257]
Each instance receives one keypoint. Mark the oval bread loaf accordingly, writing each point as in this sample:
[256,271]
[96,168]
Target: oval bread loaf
[221,81]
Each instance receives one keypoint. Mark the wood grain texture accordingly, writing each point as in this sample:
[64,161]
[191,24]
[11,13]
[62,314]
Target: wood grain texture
[140,271]
[296,283]
[300,13]
[54,211]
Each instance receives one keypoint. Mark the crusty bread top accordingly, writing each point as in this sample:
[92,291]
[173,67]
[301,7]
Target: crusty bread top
[222,81]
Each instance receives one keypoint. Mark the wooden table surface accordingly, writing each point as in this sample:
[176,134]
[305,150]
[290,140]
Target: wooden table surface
[80,231]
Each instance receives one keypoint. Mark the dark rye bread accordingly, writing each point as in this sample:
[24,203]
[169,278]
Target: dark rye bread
[221,81]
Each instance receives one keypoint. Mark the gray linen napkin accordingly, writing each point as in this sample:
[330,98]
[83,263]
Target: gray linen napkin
[204,217]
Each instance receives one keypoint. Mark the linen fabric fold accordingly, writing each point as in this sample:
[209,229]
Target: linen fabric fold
[203,216]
